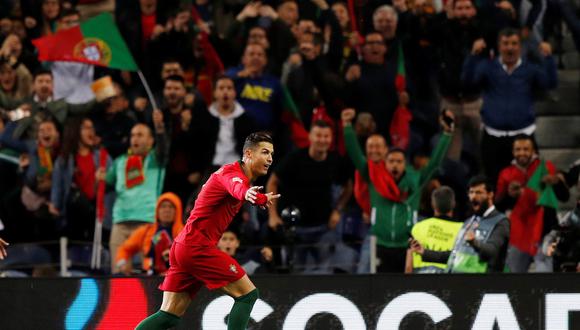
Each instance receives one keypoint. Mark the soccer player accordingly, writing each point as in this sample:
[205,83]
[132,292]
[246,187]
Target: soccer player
[195,259]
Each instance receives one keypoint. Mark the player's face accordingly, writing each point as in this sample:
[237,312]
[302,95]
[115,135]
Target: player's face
[166,213]
[396,164]
[229,243]
[260,158]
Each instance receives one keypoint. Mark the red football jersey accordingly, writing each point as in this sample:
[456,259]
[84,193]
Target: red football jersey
[221,197]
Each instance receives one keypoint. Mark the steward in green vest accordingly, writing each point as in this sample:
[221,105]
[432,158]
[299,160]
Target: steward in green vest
[481,245]
[437,233]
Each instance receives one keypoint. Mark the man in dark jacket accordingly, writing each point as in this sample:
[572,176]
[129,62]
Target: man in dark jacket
[509,83]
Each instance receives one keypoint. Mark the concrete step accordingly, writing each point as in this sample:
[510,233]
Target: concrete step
[565,99]
[558,132]
[561,157]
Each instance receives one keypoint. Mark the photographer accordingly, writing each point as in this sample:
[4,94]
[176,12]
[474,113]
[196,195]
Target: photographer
[563,243]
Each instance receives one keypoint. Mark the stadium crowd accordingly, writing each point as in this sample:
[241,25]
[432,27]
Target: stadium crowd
[403,130]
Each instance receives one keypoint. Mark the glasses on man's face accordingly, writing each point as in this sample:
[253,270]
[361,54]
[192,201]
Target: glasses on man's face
[374,43]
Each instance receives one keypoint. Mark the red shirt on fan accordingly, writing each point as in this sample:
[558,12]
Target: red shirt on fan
[221,197]
[84,176]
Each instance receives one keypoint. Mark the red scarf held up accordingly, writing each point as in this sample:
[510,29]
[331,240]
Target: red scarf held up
[134,171]
[383,182]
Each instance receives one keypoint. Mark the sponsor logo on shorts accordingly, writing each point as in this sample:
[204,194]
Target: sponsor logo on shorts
[233,269]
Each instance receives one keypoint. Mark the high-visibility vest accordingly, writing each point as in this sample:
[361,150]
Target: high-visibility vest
[437,235]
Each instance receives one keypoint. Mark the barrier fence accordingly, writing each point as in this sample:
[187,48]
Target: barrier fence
[352,302]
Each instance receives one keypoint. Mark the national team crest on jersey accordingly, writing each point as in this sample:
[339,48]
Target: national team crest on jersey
[233,269]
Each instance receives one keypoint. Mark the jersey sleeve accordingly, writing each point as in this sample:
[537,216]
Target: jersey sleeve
[237,186]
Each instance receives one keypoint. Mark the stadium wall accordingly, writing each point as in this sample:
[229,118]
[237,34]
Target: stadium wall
[388,302]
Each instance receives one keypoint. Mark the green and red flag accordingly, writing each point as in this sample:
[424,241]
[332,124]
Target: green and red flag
[291,116]
[96,41]
[546,195]
[400,124]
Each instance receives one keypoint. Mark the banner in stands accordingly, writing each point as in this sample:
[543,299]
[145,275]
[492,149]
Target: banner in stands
[386,302]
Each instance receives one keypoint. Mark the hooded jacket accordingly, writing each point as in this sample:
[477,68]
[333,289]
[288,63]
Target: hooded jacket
[141,239]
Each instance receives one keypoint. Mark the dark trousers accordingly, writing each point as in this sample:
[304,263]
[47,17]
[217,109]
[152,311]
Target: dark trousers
[496,153]
[392,260]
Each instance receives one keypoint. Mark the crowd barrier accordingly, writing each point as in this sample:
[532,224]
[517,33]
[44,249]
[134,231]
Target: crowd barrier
[352,302]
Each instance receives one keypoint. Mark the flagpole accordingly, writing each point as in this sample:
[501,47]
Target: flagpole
[147,89]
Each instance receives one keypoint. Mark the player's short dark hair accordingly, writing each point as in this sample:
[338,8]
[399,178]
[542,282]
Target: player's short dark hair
[174,77]
[254,139]
[41,72]
[443,199]
[481,180]
[220,78]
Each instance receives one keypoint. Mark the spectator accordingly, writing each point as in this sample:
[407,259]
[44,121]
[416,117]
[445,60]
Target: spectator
[371,83]
[42,22]
[15,79]
[529,219]
[437,233]
[481,245]
[37,166]
[222,129]
[305,178]
[178,119]
[153,240]
[113,123]
[509,84]
[258,92]
[40,104]
[461,99]
[253,261]
[15,52]
[74,186]
[394,191]
[138,179]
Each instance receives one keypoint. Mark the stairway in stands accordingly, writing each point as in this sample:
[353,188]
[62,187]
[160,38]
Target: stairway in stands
[558,122]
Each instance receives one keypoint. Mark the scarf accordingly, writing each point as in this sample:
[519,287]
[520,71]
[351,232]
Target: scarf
[383,182]
[134,171]
[45,161]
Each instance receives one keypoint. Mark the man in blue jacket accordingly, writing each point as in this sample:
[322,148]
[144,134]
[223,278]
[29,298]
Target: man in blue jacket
[509,83]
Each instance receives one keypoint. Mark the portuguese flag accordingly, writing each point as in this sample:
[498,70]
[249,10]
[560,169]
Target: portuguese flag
[96,41]
[546,195]
[399,129]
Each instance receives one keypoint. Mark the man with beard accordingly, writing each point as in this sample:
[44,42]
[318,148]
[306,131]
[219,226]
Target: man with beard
[509,83]
[530,221]
[178,117]
[482,243]
[394,191]
[306,177]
